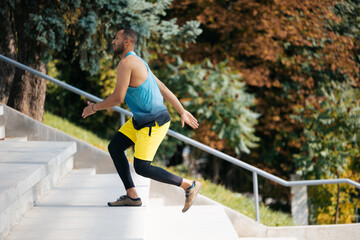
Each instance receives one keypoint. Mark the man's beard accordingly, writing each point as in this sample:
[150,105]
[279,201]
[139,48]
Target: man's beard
[120,49]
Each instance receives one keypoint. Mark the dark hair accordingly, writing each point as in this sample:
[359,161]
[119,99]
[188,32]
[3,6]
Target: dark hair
[131,34]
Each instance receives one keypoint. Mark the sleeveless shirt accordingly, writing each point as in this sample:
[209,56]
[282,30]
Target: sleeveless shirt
[146,102]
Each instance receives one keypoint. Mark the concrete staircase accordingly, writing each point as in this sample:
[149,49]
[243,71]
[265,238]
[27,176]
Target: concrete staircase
[28,171]
[77,209]
[42,197]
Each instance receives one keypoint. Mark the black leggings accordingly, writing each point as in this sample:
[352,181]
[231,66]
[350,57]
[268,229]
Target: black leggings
[118,145]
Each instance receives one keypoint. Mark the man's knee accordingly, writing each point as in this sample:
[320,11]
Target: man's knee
[111,147]
[141,167]
[115,147]
[119,144]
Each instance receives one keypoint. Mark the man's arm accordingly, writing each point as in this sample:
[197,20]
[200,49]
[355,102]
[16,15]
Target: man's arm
[117,97]
[186,117]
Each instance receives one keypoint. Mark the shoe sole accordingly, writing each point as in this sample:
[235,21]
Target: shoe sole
[124,205]
[110,205]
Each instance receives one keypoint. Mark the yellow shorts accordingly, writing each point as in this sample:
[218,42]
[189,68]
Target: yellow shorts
[146,144]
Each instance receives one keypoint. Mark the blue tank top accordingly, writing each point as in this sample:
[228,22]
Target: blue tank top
[146,102]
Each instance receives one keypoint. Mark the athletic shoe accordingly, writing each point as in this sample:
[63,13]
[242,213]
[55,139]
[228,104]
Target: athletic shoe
[191,195]
[124,200]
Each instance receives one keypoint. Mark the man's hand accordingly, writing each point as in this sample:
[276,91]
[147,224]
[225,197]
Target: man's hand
[188,118]
[89,110]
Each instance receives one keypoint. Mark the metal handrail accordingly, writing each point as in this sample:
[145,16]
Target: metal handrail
[238,162]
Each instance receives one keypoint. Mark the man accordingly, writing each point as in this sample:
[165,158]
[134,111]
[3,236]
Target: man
[143,93]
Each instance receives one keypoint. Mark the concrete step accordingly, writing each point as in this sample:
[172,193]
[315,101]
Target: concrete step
[16,139]
[84,171]
[28,170]
[77,209]
[269,238]
[156,201]
[87,155]
[199,222]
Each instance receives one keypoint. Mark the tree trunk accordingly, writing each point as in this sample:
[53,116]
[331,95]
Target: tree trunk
[230,174]
[28,91]
[7,48]
[337,204]
[217,166]
[229,177]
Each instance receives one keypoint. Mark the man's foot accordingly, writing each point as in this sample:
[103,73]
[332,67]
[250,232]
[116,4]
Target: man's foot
[191,195]
[125,200]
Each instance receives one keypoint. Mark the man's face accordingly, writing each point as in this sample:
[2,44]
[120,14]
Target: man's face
[118,43]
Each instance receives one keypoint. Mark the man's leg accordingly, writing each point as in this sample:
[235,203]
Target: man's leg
[146,146]
[145,169]
[116,148]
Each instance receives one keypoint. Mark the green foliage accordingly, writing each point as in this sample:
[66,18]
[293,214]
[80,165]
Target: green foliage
[169,40]
[332,132]
[349,11]
[75,131]
[40,25]
[87,64]
[236,201]
[331,150]
[89,26]
[217,96]
[69,105]
[323,202]
[99,21]
[331,126]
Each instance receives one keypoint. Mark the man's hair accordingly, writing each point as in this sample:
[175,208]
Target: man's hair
[131,34]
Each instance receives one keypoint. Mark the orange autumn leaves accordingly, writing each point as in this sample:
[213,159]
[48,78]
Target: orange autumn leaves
[252,34]
[282,48]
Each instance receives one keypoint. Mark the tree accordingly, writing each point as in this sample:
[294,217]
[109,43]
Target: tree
[337,203]
[331,149]
[349,25]
[79,32]
[91,67]
[284,49]
[34,28]
[217,96]
[7,48]
[348,10]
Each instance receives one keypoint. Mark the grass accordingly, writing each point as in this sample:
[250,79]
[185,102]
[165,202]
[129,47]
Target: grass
[237,201]
[218,193]
[75,131]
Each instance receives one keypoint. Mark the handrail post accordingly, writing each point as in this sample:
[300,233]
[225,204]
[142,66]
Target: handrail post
[256,197]
[122,119]
[122,122]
